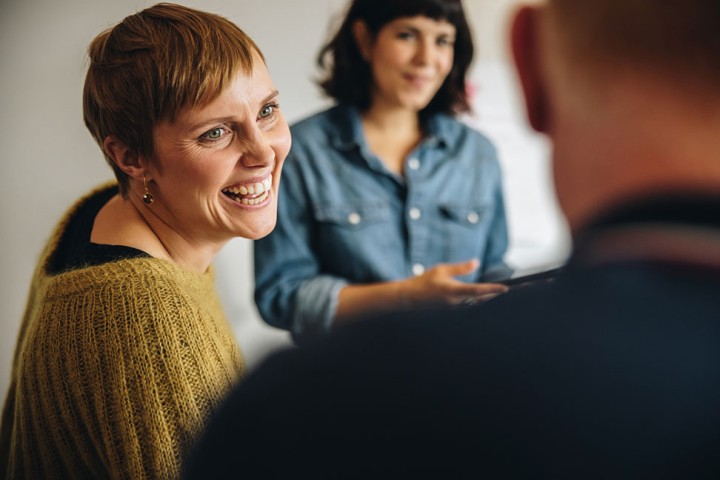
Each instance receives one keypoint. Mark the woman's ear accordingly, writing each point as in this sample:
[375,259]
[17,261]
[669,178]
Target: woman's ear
[363,38]
[126,159]
[524,42]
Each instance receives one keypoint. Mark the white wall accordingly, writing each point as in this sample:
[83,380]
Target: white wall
[48,159]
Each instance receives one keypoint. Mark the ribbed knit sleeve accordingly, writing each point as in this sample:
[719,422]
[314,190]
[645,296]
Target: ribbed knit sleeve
[118,368]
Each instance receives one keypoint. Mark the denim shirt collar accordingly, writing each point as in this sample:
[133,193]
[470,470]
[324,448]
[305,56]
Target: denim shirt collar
[440,129]
[350,133]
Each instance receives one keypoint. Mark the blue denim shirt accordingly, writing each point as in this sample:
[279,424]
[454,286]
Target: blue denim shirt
[344,218]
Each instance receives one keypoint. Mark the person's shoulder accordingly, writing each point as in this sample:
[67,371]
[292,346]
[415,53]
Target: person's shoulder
[317,123]
[145,272]
[476,135]
[114,306]
[461,132]
[160,280]
[414,341]
[321,137]
[468,329]
[131,287]
[135,301]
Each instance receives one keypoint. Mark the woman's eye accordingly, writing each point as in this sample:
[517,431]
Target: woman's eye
[268,110]
[213,135]
[444,41]
[405,35]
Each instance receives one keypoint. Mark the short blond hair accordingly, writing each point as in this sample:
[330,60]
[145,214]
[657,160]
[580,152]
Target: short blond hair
[152,65]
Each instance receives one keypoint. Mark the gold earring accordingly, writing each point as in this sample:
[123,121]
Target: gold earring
[147,196]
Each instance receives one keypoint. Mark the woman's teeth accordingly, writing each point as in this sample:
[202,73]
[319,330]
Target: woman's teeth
[252,189]
[251,194]
[253,201]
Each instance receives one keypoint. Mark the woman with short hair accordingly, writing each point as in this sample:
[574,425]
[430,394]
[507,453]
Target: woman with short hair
[124,350]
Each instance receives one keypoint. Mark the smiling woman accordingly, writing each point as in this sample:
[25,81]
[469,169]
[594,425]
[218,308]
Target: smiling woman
[204,159]
[389,201]
[124,350]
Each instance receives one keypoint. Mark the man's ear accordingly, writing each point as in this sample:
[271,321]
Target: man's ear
[126,159]
[363,38]
[524,41]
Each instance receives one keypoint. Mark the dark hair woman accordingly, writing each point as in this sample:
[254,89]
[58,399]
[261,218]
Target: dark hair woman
[388,200]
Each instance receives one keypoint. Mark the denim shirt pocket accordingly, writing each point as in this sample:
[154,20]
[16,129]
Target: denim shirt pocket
[354,239]
[465,230]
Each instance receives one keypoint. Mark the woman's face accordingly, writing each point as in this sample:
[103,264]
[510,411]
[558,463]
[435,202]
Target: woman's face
[217,167]
[410,58]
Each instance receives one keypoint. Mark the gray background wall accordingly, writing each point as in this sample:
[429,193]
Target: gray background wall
[47,158]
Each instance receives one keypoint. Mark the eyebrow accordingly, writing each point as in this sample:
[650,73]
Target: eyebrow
[414,29]
[272,95]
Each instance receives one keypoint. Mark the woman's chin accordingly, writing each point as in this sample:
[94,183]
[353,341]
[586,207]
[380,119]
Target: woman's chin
[258,229]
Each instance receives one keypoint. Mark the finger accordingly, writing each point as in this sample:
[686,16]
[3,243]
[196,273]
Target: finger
[460,268]
[476,289]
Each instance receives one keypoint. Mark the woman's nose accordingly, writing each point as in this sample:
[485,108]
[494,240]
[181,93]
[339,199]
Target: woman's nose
[424,53]
[257,151]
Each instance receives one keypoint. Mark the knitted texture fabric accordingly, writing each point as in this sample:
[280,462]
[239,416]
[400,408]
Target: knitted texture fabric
[116,370]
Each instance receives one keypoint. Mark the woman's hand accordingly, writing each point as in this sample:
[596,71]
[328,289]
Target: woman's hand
[438,286]
[434,288]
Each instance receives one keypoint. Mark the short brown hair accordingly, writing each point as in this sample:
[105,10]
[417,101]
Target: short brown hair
[667,35]
[152,65]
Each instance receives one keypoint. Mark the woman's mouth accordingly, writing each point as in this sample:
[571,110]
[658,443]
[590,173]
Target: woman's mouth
[251,193]
[418,80]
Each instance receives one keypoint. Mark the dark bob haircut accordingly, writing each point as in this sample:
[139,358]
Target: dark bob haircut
[347,77]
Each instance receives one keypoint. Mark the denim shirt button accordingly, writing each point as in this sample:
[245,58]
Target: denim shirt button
[354,218]
[414,163]
[418,269]
[415,213]
[473,217]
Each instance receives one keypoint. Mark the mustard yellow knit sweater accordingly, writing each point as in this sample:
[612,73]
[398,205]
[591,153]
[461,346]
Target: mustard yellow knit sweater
[116,369]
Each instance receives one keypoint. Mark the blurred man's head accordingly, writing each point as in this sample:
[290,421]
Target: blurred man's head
[627,91]
[669,37]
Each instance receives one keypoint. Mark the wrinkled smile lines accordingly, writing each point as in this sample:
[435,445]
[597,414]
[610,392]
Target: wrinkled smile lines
[251,194]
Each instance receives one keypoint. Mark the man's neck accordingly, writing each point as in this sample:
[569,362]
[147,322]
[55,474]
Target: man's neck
[638,138]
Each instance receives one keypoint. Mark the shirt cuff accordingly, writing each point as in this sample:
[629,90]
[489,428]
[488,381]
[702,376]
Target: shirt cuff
[316,301]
